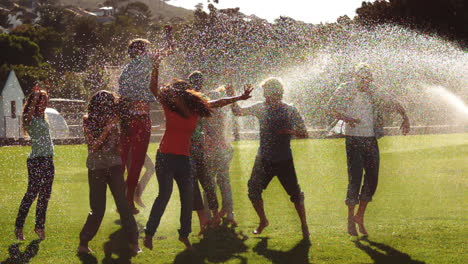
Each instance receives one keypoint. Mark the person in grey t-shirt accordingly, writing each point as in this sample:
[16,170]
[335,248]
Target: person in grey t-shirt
[278,123]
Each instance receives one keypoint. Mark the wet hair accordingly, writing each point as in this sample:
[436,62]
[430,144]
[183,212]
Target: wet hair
[102,106]
[137,46]
[272,86]
[192,99]
[195,76]
[27,107]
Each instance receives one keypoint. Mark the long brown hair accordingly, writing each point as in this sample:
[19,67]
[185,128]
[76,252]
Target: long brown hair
[192,99]
[102,107]
[28,107]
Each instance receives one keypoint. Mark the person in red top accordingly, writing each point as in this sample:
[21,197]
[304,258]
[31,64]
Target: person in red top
[182,108]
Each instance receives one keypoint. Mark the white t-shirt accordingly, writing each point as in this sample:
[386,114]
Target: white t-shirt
[360,108]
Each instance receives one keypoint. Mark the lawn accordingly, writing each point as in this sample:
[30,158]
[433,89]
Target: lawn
[419,213]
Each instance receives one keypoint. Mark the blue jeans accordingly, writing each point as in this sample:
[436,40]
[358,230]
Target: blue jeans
[362,156]
[171,167]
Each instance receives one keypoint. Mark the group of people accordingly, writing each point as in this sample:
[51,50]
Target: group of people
[117,129]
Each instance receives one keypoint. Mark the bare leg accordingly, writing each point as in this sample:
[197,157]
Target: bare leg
[302,216]
[359,217]
[40,233]
[83,248]
[351,225]
[258,206]
[19,234]
[216,218]
[204,221]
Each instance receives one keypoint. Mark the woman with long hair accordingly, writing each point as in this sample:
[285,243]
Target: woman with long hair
[40,162]
[182,108]
[102,134]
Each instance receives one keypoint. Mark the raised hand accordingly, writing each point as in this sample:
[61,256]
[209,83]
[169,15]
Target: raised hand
[247,90]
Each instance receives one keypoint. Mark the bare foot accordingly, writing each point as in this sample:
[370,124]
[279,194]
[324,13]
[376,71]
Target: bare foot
[19,234]
[215,221]
[148,242]
[260,227]
[135,211]
[40,233]
[203,229]
[138,201]
[352,227]
[186,242]
[360,222]
[230,221]
[135,248]
[82,249]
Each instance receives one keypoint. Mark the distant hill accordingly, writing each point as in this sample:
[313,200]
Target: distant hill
[159,8]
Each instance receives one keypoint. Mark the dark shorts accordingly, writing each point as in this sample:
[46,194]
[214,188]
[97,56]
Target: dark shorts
[264,171]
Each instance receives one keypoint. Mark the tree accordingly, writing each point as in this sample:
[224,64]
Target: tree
[49,41]
[19,50]
[448,18]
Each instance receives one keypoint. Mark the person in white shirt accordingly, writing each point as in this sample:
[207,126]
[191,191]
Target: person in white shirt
[360,106]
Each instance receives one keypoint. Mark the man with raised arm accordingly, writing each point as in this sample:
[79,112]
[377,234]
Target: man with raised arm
[278,123]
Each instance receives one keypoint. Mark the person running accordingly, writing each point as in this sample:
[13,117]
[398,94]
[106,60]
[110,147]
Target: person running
[40,163]
[134,89]
[182,108]
[278,123]
[102,134]
[360,105]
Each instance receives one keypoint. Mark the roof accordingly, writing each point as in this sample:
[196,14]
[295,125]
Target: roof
[4,80]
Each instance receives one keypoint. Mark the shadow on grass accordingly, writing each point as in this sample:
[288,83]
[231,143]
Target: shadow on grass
[117,249]
[86,258]
[384,254]
[18,257]
[299,254]
[217,246]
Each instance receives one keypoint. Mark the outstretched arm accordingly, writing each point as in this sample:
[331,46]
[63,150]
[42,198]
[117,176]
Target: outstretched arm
[236,109]
[154,84]
[230,100]
[335,108]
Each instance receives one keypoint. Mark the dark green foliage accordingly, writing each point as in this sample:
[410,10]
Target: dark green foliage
[49,41]
[19,50]
[448,18]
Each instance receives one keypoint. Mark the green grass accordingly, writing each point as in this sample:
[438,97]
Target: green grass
[419,214]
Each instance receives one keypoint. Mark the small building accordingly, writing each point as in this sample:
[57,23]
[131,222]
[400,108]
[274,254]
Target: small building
[11,105]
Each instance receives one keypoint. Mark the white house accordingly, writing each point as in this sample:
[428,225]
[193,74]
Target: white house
[11,105]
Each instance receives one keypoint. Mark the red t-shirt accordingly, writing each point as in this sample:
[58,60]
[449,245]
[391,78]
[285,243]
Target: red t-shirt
[179,130]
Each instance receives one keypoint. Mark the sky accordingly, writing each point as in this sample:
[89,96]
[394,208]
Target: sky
[310,11]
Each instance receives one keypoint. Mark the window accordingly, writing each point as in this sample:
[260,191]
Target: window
[13,109]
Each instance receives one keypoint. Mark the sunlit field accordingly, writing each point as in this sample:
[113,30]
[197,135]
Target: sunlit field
[419,213]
